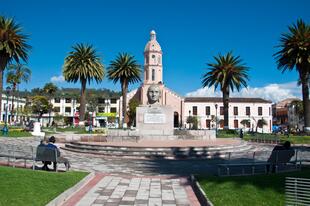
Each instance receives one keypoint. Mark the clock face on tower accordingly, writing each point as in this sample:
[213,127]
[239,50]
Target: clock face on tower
[153,56]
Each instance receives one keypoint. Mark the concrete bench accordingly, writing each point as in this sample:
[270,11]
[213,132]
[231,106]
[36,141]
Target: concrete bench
[47,154]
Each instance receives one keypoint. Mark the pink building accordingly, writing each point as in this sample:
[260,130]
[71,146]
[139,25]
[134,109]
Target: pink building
[251,109]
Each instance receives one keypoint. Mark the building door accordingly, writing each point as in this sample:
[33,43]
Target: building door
[176,119]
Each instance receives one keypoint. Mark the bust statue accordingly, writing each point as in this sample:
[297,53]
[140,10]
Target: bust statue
[153,94]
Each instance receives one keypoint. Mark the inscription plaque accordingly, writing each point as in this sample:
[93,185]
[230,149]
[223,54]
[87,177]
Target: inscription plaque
[154,118]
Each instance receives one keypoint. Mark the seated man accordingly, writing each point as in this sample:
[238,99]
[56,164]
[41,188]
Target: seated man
[281,154]
[51,144]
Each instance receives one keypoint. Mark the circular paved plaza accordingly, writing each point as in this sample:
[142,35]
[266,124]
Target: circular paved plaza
[124,181]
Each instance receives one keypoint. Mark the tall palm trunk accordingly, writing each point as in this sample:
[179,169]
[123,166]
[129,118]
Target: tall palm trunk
[124,93]
[49,112]
[3,62]
[13,99]
[1,91]
[226,107]
[306,103]
[83,100]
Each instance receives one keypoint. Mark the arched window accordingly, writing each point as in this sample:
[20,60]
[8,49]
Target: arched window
[153,74]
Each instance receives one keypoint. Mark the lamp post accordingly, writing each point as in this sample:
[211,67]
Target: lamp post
[216,119]
[6,129]
[189,115]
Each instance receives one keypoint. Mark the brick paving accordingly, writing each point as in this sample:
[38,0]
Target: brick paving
[139,191]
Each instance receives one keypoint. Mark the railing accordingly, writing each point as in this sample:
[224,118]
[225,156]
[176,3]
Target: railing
[297,191]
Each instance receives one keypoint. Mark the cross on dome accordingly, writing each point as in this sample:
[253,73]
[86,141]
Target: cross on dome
[153,35]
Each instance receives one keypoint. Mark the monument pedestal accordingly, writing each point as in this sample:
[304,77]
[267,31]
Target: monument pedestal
[37,130]
[155,120]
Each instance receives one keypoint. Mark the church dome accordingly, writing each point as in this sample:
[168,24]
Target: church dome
[152,45]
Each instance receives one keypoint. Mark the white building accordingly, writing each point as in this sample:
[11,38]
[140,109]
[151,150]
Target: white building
[69,108]
[252,109]
[19,104]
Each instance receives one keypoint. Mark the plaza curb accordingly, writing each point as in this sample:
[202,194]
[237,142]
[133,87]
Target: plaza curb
[60,199]
[200,194]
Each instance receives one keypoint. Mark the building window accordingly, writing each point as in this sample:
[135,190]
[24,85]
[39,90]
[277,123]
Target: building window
[113,101]
[236,125]
[247,111]
[100,109]
[57,100]
[269,111]
[207,110]
[101,100]
[194,110]
[260,111]
[235,110]
[68,109]
[113,110]
[56,109]
[68,100]
[208,123]
[221,110]
[153,74]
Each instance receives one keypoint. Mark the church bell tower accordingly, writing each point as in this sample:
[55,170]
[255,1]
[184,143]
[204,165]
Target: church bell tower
[153,68]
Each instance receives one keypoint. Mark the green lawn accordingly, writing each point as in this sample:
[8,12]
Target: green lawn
[294,139]
[28,187]
[260,190]
[16,134]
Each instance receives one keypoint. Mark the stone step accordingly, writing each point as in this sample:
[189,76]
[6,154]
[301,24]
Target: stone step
[155,149]
[161,152]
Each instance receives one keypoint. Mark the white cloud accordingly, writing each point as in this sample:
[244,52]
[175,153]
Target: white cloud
[273,92]
[58,79]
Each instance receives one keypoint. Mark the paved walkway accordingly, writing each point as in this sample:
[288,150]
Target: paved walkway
[129,191]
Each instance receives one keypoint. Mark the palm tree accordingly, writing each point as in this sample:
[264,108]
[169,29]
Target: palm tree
[16,74]
[50,89]
[125,70]
[12,46]
[295,53]
[229,72]
[83,64]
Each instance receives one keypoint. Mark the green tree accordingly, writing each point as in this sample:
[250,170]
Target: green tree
[16,74]
[50,90]
[13,46]
[298,107]
[92,103]
[261,123]
[124,69]
[193,122]
[133,104]
[245,122]
[83,64]
[229,72]
[295,53]
[40,106]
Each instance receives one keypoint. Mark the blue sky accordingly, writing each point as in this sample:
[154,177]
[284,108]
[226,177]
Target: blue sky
[190,33]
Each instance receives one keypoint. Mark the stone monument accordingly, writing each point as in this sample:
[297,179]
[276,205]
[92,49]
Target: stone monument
[37,130]
[154,121]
